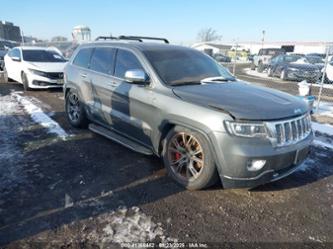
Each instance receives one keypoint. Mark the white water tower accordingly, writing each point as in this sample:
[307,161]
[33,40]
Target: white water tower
[81,33]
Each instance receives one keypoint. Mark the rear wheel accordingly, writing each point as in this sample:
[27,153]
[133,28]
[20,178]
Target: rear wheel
[4,76]
[25,82]
[75,112]
[327,80]
[188,159]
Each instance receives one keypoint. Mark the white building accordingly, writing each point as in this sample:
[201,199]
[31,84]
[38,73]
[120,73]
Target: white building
[254,47]
[81,33]
[212,48]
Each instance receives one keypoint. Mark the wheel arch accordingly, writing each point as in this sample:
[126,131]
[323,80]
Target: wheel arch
[170,123]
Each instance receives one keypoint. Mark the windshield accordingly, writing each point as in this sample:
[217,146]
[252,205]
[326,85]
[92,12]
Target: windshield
[294,58]
[179,66]
[315,59]
[42,56]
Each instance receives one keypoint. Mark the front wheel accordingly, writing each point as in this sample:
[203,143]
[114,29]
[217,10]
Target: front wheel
[188,159]
[283,75]
[270,72]
[261,67]
[25,82]
[75,112]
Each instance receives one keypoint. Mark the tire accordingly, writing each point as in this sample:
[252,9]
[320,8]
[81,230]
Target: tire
[269,72]
[25,82]
[4,77]
[202,163]
[253,66]
[283,75]
[260,67]
[75,111]
[327,80]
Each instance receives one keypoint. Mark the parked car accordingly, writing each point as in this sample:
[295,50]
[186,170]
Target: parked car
[221,58]
[251,57]
[35,67]
[293,67]
[4,47]
[317,54]
[263,58]
[316,60]
[2,55]
[180,104]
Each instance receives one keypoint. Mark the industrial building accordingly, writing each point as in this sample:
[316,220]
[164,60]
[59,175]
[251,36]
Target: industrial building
[10,32]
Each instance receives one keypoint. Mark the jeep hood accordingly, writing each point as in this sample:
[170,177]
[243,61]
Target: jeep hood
[243,101]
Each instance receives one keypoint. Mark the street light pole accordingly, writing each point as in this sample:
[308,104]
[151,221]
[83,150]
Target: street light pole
[263,38]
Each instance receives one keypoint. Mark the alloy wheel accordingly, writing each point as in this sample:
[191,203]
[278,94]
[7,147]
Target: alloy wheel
[73,107]
[186,156]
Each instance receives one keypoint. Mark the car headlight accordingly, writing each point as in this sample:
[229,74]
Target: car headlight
[243,129]
[37,72]
[293,69]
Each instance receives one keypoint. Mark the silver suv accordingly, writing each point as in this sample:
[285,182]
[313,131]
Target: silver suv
[179,104]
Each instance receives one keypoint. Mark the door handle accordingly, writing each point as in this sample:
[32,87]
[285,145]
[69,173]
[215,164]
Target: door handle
[113,84]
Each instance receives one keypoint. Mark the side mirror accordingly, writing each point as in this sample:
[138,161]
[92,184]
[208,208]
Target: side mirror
[136,76]
[15,58]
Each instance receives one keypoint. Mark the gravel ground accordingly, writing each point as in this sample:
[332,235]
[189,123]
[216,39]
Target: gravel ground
[85,191]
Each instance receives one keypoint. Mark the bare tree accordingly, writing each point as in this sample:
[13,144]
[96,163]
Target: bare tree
[208,34]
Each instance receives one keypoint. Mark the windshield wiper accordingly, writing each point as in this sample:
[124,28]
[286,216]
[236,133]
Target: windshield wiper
[217,79]
[186,83]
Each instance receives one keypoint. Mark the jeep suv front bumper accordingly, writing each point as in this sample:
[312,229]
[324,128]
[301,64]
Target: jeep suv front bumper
[235,153]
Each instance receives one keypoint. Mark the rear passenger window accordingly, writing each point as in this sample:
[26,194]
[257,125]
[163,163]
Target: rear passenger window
[102,60]
[126,61]
[82,59]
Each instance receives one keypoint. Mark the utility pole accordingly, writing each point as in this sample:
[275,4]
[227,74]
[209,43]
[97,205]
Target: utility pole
[263,38]
[235,57]
[22,37]
[323,77]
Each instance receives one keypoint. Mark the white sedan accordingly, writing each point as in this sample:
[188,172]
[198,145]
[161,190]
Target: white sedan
[35,67]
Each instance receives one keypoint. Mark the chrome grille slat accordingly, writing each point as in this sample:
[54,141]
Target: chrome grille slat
[290,131]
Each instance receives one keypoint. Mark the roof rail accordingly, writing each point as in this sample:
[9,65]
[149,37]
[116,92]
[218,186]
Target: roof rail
[133,38]
[124,37]
[116,38]
[106,38]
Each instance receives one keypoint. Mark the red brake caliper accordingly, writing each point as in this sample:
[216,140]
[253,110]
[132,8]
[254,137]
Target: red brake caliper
[177,155]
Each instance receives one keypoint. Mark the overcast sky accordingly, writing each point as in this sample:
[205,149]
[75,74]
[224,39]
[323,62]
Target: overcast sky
[178,20]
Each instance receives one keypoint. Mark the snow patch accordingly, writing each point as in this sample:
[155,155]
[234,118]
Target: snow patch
[325,108]
[323,128]
[255,73]
[40,117]
[126,225]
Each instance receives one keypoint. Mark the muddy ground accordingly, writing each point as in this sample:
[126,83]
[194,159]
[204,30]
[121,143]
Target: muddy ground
[88,192]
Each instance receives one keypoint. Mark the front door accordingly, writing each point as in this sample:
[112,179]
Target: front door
[131,103]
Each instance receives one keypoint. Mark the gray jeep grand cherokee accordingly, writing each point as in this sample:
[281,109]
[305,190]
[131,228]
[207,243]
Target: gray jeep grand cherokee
[178,103]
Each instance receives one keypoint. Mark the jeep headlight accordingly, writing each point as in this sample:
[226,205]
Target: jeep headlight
[37,72]
[292,69]
[246,129]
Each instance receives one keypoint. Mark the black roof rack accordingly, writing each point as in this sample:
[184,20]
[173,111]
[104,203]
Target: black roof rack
[143,38]
[133,38]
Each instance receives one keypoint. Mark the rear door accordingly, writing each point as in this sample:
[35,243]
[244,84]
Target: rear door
[102,83]
[80,75]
